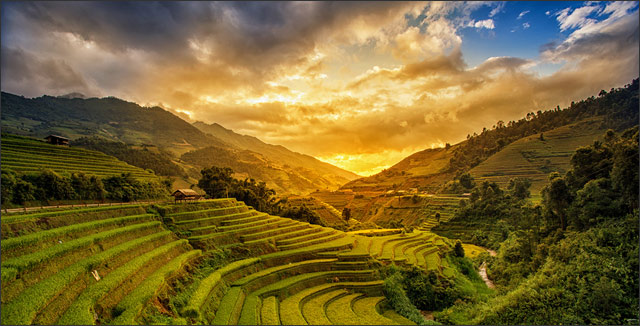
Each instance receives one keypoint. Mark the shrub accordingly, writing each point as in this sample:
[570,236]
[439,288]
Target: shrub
[397,298]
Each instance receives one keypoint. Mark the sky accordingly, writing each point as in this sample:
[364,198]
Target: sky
[360,85]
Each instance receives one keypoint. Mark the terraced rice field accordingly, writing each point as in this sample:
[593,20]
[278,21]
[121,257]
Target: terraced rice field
[534,159]
[337,199]
[443,205]
[107,264]
[328,214]
[49,261]
[29,155]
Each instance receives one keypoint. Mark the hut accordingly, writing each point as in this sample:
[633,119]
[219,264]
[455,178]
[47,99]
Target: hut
[185,194]
[57,140]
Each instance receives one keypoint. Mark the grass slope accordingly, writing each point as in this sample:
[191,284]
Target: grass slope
[424,170]
[29,155]
[533,158]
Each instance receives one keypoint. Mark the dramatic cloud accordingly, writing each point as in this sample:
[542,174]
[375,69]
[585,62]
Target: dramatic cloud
[360,85]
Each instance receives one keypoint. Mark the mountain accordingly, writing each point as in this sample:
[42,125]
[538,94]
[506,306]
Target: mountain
[73,95]
[495,154]
[110,118]
[277,153]
[117,120]
[425,170]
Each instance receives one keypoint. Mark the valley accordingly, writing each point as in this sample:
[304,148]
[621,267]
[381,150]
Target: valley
[441,233]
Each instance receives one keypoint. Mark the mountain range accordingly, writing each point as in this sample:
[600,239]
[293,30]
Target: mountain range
[114,119]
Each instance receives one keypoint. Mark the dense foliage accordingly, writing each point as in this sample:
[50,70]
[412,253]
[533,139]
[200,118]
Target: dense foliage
[410,290]
[161,162]
[619,106]
[572,260]
[50,186]
[397,298]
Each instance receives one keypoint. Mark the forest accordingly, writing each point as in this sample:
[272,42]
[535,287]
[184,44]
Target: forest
[573,259]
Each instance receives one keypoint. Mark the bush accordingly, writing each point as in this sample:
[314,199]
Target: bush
[397,298]
[458,250]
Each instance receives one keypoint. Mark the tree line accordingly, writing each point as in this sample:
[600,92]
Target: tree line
[47,185]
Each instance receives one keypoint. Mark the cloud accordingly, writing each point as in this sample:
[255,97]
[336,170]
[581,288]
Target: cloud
[522,14]
[614,37]
[487,23]
[577,18]
[497,9]
[525,25]
[21,69]
[346,81]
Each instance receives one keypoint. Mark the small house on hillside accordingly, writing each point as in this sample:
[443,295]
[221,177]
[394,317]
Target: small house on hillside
[57,140]
[185,194]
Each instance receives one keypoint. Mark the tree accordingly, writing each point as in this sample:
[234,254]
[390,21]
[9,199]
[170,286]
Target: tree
[218,182]
[458,250]
[466,180]
[215,181]
[557,198]
[8,185]
[346,213]
[519,188]
[53,186]
[23,192]
[624,173]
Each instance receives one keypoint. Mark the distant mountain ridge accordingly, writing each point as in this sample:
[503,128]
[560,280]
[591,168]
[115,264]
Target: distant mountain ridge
[118,120]
[274,152]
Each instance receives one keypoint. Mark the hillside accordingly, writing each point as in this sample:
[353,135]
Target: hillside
[211,262]
[327,214]
[277,153]
[118,121]
[430,169]
[425,170]
[534,158]
[283,178]
[29,155]
[110,118]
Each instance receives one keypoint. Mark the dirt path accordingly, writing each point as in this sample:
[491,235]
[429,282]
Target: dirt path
[35,208]
[485,278]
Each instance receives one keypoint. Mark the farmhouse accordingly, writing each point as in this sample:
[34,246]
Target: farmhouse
[57,140]
[185,194]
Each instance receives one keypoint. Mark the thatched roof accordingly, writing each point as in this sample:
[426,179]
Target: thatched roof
[56,136]
[186,192]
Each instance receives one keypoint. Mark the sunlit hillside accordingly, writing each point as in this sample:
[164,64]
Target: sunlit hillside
[319,163]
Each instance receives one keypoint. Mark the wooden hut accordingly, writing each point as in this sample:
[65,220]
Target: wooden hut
[185,194]
[57,140]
